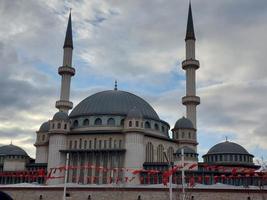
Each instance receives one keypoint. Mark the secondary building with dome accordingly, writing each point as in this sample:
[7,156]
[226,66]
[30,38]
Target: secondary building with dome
[116,129]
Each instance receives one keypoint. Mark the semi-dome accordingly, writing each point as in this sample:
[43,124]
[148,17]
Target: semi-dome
[183,123]
[61,116]
[113,102]
[134,113]
[227,148]
[44,127]
[12,150]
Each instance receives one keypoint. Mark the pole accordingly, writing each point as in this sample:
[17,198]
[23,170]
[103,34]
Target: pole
[183,176]
[170,178]
[66,176]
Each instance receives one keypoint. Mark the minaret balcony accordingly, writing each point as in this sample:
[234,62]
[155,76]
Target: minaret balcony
[187,100]
[64,104]
[191,63]
[66,70]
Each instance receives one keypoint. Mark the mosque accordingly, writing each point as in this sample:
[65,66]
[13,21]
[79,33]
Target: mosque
[118,129]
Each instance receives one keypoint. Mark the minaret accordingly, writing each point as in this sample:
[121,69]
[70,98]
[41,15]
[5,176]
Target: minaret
[66,71]
[190,65]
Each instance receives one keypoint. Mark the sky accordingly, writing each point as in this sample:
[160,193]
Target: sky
[140,44]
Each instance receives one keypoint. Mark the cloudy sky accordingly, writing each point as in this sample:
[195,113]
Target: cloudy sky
[141,44]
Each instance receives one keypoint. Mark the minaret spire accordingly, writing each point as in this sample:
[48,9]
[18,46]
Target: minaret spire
[190,33]
[190,65]
[66,71]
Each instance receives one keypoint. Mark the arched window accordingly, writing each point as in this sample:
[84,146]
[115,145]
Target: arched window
[100,144]
[122,122]
[120,144]
[162,129]
[86,122]
[59,125]
[189,135]
[75,123]
[70,145]
[98,121]
[115,144]
[130,123]
[53,126]
[43,137]
[105,144]
[182,134]
[80,144]
[111,122]
[65,126]
[110,143]
[149,152]
[170,152]
[85,144]
[75,144]
[90,144]
[160,156]
[147,125]
[136,123]
[95,144]
[156,126]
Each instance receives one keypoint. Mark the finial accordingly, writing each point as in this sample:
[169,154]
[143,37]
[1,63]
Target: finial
[226,139]
[116,85]
[190,33]
[68,38]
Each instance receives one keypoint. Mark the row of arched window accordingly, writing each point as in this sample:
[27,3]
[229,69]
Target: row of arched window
[111,122]
[184,135]
[228,158]
[95,144]
[160,153]
[59,125]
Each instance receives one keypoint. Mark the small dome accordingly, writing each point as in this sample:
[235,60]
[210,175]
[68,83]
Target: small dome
[227,147]
[134,113]
[12,150]
[61,116]
[183,123]
[44,127]
[186,150]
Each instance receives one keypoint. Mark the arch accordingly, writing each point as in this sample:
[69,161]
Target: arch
[147,125]
[149,152]
[160,156]
[156,126]
[122,122]
[86,122]
[98,121]
[136,123]
[59,125]
[111,122]
[130,123]
[75,123]
[170,152]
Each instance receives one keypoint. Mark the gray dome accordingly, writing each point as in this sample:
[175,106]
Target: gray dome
[134,113]
[183,123]
[227,147]
[44,127]
[12,150]
[113,102]
[61,116]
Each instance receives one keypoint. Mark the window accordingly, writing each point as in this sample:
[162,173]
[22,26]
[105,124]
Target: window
[120,144]
[80,144]
[100,144]
[189,135]
[75,123]
[105,144]
[130,123]
[90,144]
[160,156]
[147,125]
[162,129]
[43,137]
[149,152]
[86,122]
[182,134]
[98,121]
[85,144]
[95,144]
[75,144]
[111,122]
[136,123]
[156,126]
[110,142]
[65,126]
[70,145]
[170,153]
[58,125]
[115,144]
[122,122]
[53,126]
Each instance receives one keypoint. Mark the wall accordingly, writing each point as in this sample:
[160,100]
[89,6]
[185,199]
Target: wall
[109,193]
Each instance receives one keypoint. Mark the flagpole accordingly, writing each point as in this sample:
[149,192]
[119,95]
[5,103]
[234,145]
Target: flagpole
[66,176]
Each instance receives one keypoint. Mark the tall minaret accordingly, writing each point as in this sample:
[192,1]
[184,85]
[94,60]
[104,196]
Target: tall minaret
[190,65]
[66,71]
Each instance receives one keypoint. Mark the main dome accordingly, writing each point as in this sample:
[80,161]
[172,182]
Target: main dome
[12,150]
[227,147]
[113,102]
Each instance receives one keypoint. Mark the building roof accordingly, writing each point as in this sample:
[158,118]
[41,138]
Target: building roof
[227,147]
[68,38]
[12,150]
[44,127]
[190,33]
[183,123]
[61,116]
[113,102]
[134,113]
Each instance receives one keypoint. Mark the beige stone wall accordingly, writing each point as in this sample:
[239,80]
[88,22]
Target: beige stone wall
[131,194]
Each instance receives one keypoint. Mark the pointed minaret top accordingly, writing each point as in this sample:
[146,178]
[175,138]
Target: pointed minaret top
[190,33]
[68,38]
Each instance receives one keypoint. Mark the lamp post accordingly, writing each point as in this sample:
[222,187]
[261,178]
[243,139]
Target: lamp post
[170,179]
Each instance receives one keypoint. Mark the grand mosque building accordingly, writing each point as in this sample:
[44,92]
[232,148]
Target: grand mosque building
[116,129]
